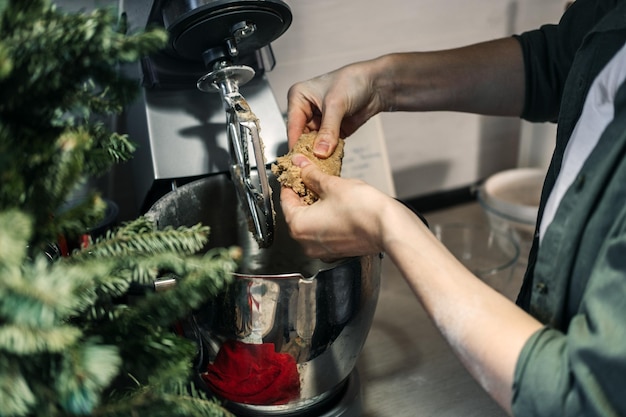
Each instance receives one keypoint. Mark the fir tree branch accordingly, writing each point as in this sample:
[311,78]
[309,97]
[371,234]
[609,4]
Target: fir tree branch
[15,231]
[183,401]
[44,296]
[68,331]
[27,340]
[83,374]
[57,71]
[141,237]
[109,149]
[16,396]
[204,278]
[80,218]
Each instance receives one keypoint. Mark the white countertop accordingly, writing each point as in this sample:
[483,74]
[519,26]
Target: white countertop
[406,367]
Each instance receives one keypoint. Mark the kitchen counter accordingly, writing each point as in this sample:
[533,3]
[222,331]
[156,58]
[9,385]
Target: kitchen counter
[406,367]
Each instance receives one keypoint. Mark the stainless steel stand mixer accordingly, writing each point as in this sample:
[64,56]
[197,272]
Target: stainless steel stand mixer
[229,39]
[285,337]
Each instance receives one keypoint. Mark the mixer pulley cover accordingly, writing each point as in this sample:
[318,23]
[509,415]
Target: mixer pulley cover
[196,29]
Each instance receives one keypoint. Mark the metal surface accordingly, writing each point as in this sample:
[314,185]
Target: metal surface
[318,313]
[242,127]
[350,403]
[200,25]
[226,80]
[182,133]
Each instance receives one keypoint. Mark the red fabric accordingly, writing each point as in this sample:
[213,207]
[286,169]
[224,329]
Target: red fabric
[65,252]
[253,374]
[85,241]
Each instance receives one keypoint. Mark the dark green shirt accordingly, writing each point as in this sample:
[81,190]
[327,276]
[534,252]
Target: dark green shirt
[576,280]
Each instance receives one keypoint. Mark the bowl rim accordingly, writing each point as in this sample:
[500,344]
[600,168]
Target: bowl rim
[522,213]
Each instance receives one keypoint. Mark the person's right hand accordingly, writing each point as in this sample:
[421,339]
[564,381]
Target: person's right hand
[347,220]
[335,104]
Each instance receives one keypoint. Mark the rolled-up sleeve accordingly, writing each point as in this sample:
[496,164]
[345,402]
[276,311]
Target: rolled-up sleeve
[581,372]
[548,55]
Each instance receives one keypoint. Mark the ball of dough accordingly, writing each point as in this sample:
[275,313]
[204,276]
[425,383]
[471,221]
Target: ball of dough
[289,175]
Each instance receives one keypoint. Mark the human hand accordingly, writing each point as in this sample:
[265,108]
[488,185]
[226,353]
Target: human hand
[345,221]
[335,104]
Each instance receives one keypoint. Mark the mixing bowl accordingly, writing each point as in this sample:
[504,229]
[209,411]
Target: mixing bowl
[510,200]
[490,254]
[285,336]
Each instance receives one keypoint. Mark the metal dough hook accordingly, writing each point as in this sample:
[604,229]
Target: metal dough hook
[243,129]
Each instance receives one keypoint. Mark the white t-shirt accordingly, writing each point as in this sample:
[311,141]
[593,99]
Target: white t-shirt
[596,115]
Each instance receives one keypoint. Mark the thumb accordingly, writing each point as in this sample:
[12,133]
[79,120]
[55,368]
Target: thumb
[328,134]
[310,173]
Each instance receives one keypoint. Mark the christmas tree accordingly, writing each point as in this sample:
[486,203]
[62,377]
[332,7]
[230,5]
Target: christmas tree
[70,341]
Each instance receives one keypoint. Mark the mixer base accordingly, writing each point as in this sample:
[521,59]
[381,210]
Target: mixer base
[351,403]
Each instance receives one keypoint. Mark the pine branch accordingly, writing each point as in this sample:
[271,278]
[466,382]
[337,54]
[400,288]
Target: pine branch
[57,72]
[181,400]
[26,340]
[16,396]
[78,219]
[16,229]
[165,355]
[109,149]
[141,237]
[69,333]
[204,278]
[83,374]
[199,279]
[47,295]
[44,296]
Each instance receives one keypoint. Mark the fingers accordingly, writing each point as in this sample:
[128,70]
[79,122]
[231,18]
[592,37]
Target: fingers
[330,228]
[307,223]
[329,132]
[290,202]
[303,111]
[311,175]
[312,107]
[297,121]
[326,140]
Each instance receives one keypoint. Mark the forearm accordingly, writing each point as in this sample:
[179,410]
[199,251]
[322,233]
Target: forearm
[486,330]
[485,78]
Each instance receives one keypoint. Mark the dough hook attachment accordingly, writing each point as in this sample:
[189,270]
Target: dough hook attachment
[243,130]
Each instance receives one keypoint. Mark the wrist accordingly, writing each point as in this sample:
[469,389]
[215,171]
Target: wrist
[409,82]
[398,222]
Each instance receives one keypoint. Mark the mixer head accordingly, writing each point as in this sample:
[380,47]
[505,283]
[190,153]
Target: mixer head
[212,30]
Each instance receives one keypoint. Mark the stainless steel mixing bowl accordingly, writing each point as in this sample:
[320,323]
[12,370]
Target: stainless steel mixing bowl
[318,314]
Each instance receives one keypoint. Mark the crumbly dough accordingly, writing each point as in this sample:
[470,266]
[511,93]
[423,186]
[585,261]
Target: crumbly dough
[289,175]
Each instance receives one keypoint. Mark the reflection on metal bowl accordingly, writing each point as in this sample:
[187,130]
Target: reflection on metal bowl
[280,304]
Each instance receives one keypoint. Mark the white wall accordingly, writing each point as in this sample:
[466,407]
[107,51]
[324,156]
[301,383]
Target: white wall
[429,152]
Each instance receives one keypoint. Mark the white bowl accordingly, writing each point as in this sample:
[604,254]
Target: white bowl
[513,194]
[510,200]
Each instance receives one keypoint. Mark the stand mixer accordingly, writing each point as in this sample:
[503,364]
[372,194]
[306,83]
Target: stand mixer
[196,132]
[217,46]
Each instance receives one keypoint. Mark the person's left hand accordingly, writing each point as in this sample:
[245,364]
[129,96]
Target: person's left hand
[345,221]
